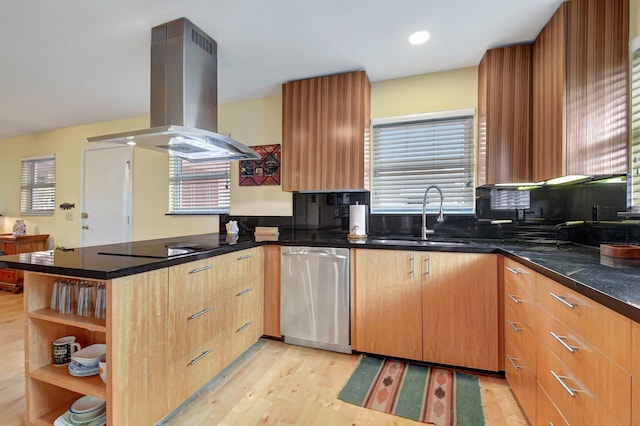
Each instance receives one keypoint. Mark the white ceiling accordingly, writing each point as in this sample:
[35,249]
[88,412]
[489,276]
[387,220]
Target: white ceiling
[71,62]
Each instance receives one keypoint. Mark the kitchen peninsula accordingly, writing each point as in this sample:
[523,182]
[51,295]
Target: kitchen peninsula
[147,301]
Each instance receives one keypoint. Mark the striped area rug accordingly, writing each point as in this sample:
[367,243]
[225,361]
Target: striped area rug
[426,394]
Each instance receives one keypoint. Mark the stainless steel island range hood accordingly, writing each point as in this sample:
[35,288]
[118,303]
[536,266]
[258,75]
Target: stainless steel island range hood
[184,98]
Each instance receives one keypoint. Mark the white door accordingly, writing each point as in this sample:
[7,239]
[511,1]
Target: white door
[107,195]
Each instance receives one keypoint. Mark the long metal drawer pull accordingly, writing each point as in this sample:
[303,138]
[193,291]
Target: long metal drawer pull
[560,379]
[314,253]
[244,326]
[560,339]
[514,271]
[202,312]
[514,326]
[245,291]
[516,301]
[204,268]
[246,256]
[513,362]
[561,299]
[199,357]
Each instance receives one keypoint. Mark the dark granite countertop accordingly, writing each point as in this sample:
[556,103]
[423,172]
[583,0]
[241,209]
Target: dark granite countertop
[614,283]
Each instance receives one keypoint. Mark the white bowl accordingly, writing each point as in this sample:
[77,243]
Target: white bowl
[87,406]
[90,356]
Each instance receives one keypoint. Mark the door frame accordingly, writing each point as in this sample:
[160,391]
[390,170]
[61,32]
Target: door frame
[128,195]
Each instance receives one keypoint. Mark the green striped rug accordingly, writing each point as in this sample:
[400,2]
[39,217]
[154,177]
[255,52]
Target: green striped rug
[426,394]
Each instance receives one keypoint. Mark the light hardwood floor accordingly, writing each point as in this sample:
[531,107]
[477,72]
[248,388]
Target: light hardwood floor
[271,384]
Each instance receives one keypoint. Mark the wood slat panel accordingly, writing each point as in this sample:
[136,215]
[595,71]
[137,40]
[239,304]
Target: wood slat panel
[325,131]
[597,87]
[505,124]
[581,90]
[548,102]
[300,131]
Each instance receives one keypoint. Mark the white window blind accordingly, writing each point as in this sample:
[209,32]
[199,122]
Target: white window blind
[38,186]
[408,156]
[635,128]
[200,187]
[508,199]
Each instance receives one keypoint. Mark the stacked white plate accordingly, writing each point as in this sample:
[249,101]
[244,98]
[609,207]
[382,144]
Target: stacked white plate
[85,411]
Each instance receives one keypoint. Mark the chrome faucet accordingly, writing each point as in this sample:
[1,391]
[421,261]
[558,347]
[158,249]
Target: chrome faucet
[440,218]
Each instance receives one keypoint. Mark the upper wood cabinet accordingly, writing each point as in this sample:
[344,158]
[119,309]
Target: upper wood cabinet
[504,115]
[325,132]
[580,73]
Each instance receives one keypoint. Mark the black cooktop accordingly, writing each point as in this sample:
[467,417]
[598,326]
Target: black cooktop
[160,250]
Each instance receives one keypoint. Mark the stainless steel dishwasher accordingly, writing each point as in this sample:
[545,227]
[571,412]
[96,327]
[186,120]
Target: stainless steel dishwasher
[315,297]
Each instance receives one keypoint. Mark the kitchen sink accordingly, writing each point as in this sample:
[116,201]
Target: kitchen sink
[429,243]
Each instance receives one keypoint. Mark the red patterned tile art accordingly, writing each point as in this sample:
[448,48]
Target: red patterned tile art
[265,171]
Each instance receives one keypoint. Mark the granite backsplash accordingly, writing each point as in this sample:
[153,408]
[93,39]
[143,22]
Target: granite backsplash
[550,208]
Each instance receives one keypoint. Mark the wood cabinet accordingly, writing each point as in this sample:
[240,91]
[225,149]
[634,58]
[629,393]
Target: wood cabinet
[460,309]
[12,279]
[216,313]
[505,115]
[272,291]
[520,340]
[325,132]
[582,352]
[388,302]
[168,332]
[196,332]
[580,73]
[431,306]
[135,334]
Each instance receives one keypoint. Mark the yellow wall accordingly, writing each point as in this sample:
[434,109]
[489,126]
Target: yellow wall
[254,122]
[425,93]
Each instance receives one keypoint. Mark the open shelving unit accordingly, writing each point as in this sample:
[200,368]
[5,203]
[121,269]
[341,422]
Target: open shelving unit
[50,389]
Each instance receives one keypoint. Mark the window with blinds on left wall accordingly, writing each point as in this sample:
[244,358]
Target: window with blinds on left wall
[199,187]
[38,186]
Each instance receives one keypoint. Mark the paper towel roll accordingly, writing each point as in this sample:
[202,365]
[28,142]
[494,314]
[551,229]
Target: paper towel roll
[358,219]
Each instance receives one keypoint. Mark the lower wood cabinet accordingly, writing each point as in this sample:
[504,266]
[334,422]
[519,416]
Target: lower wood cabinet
[387,310]
[168,332]
[431,306]
[272,291]
[216,313]
[582,373]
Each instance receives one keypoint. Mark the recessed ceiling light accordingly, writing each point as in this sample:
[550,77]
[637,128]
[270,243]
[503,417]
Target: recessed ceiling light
[419,37]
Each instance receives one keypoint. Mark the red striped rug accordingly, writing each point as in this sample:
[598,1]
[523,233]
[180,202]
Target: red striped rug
[428,394]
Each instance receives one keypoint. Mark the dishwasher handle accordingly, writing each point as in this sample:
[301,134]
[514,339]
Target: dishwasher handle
[314,253]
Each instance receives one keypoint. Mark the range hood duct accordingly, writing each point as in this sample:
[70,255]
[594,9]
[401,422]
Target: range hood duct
[184,98]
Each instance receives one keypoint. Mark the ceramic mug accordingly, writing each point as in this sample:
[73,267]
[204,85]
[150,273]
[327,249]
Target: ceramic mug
[63,348]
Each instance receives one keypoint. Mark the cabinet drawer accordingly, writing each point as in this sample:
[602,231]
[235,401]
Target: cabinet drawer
[519,296]
[243,267]
[573,399]
[608,331]
[546,412]
[9,276]
[606,380]
[522,380]
[522,339]
[193,370]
